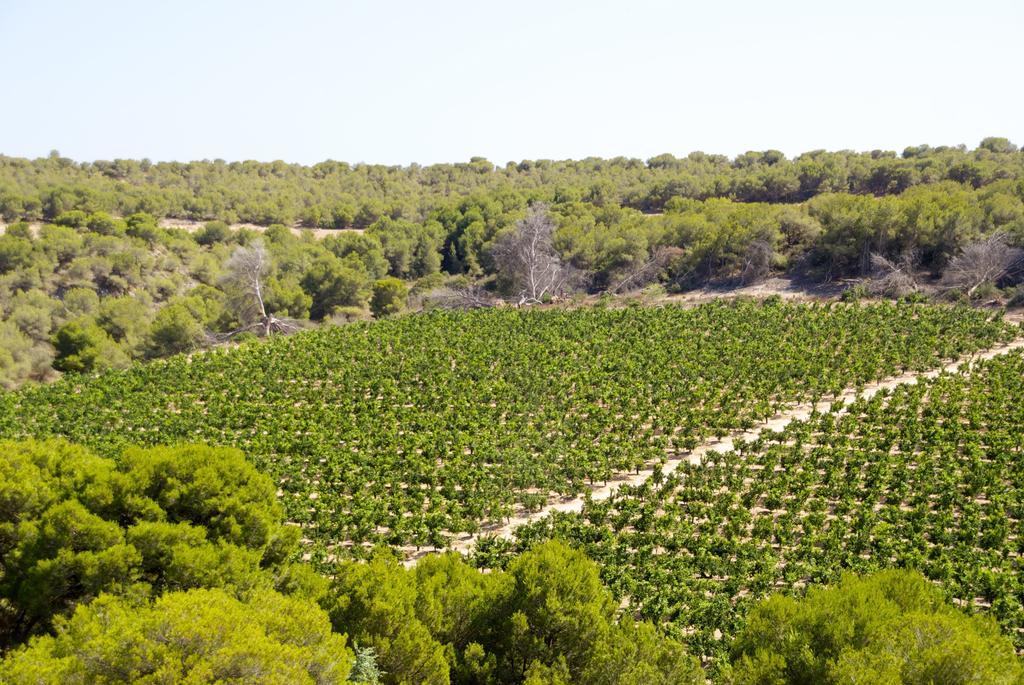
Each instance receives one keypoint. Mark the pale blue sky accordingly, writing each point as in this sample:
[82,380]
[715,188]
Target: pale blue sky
[400,82]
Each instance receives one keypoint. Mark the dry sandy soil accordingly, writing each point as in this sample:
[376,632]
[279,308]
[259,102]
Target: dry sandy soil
[786,288]
[193,226]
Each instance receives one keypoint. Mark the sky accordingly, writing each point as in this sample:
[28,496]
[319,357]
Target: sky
[436,81]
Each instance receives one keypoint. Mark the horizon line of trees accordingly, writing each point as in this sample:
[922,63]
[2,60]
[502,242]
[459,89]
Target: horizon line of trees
[334,194]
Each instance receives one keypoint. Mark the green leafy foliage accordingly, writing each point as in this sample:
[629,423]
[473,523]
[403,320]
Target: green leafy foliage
[407,431]
[83,348]
[175,329]
[335,194]
[927,477]
[74,525]
[890,627]
[547,619]
[388,297]
[82,299]
[198,636]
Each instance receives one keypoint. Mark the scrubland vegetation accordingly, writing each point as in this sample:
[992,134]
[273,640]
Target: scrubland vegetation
[339,195]
[98,283]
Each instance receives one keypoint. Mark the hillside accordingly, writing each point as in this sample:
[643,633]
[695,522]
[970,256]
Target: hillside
[105,263]
[411,430]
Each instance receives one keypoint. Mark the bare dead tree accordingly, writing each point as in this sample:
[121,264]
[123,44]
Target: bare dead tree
[648,270]
[528,259]
[467,297]
[893,278]
[244,281]
[981,262]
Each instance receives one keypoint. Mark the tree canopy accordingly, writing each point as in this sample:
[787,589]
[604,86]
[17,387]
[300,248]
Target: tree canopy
[195,636]
[74,525]
[548,618]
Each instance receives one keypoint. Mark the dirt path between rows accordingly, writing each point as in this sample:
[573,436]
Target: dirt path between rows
[464,543]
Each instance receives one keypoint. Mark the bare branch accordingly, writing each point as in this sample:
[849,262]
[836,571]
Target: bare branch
[757,262]
[468,297]
[649,270]
[244,281]
[893,279]
[981,262]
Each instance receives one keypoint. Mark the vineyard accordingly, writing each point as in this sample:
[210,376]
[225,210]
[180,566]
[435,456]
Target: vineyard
[927,476]
[414,430]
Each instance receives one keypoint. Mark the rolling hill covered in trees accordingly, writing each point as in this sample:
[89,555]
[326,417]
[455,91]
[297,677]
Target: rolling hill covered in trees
[91,279]
[824,213]
[338,195]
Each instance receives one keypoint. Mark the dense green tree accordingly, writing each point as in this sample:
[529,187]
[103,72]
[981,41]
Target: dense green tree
[142,225]
[20,358]
[334,283]
[565,615]
[74,525]
[105,224]
[60,242]
[74,218]
[997,145]
[81,302]
[213,232]
[388,297]
[15,252]
[890,627]
[285,297]
[560,616]
[367,246]
[412,250]
[125,319]
[82,346]
[376,603]
[34,313]
[174,329]
[549,617]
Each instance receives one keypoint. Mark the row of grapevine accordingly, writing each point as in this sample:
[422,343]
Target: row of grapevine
[928,476]
[411,430]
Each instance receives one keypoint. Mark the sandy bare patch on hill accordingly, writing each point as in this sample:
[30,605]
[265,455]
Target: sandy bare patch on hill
[194,226]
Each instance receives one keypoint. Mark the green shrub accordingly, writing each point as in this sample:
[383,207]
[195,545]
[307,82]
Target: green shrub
[889,627]
[855,293]
[198,636]
[388,297]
